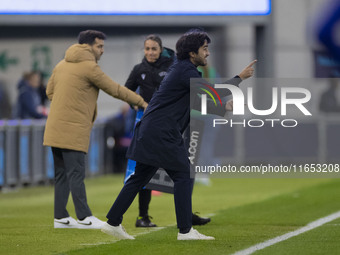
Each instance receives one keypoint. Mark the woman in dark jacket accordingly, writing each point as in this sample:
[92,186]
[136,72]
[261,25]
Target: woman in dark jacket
[147,76]
[29,105]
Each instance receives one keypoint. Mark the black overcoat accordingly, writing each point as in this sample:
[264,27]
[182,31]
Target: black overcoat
[157,139]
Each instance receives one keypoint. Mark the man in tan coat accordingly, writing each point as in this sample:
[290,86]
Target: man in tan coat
[73,90]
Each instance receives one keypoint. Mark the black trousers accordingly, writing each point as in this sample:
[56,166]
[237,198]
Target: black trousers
[143,173]
[69,168]
[144,199]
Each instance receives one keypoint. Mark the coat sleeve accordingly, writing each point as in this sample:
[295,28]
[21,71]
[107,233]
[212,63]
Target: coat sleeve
[211,107]
[105,83]
[50,87]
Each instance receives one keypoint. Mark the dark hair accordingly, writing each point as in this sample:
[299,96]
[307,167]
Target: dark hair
[155,38]
[28,75]
[89,36]
[191,41]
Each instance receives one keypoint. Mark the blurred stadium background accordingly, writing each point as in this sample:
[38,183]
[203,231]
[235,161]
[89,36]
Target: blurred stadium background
[280,41]
[280,34]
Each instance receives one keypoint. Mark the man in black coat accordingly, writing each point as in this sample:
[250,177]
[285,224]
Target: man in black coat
[158,141]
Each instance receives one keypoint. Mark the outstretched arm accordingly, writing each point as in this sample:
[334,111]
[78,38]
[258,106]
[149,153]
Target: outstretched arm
[248,71]
[105,83]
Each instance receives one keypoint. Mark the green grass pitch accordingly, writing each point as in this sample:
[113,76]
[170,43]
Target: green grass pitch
[245,212]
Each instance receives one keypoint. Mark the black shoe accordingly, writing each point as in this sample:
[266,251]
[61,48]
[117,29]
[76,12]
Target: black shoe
[197,220]
[144,222]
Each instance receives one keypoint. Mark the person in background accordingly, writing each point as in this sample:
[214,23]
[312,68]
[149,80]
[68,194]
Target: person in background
[121,126]
[327,28]
[118,132]
[326,31]
[29,105]
[328,101]
[73,90]
[42,90]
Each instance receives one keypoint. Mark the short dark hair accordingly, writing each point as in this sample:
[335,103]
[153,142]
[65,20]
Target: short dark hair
[155,38]
[89,36]
[191,41]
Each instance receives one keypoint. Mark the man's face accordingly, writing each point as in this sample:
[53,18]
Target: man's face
[200,58]
[98,48]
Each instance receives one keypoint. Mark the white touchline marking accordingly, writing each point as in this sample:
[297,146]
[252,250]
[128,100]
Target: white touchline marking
[142,233]
[310,226]
[138,234]
[149,230]
[100,243]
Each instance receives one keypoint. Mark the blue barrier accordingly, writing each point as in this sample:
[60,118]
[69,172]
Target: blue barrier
[49,163]
[24,159]
[93,157]
[24,151]
[96,150]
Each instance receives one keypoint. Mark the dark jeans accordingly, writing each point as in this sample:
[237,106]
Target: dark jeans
[143,173]
[69,167]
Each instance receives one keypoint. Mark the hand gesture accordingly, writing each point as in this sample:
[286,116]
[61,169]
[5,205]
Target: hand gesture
[229,105]
[145,105]
[248,71]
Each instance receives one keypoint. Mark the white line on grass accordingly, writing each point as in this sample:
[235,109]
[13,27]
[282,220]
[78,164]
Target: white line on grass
[149,230]
[142,233]
[138,234]
[284,237]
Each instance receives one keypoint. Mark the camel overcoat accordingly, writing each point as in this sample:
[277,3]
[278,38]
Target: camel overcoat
[73,90]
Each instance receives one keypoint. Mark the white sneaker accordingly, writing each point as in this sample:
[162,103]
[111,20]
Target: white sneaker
[67,222]
[118,232]
[193,234]
[90,222]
